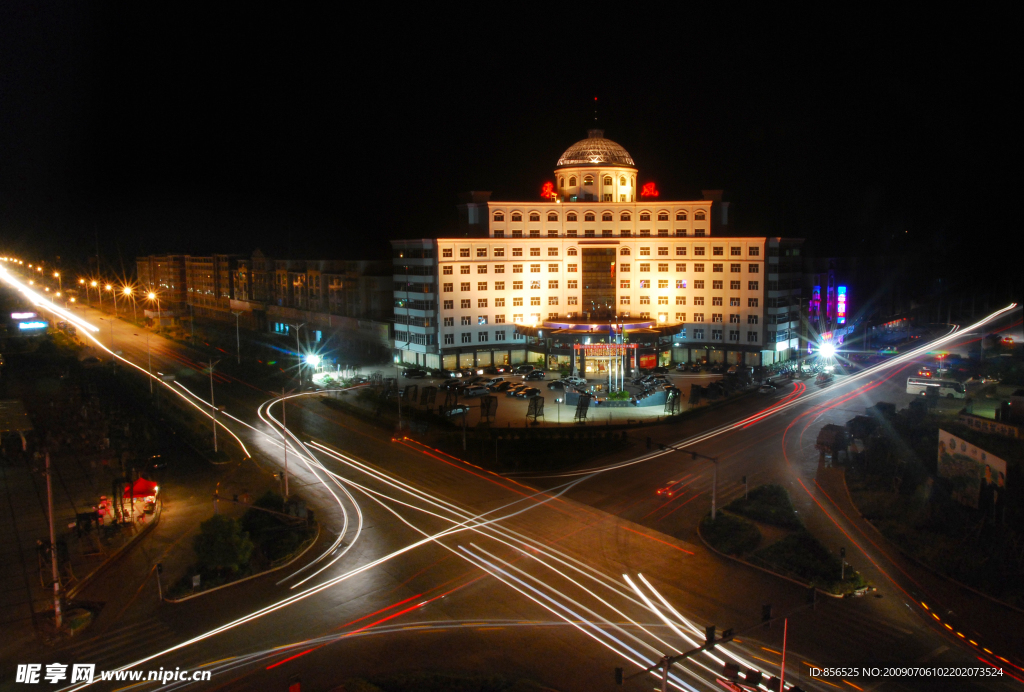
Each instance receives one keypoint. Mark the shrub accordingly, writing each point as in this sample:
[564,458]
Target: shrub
[222,544]
[768,504]
[729,534]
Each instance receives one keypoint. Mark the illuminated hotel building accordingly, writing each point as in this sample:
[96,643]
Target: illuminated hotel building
[599,260]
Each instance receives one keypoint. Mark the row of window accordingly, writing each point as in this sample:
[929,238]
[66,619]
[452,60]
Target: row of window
[716,335]
[499,216]
[499,334]
[605,233]
[643,251]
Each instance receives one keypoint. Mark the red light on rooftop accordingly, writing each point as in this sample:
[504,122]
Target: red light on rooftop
[548,190]
[649,190]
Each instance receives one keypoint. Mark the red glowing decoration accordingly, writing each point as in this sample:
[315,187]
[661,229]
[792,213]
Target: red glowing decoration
[649,190]
[548,191]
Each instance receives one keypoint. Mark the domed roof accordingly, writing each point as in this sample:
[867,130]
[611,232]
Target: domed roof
[595,150]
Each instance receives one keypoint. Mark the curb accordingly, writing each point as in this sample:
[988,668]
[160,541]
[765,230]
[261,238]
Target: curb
[766,571]
[917,562]
[84,581]
[251,576]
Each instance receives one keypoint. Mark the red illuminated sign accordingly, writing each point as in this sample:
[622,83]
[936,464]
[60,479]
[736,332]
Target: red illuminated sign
[649,190]
[648,361]
[604,349]
[548,191]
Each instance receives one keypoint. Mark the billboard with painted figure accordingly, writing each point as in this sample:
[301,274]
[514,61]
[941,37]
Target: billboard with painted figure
[972,471]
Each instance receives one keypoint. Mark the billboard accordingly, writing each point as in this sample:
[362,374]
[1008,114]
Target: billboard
[971,470]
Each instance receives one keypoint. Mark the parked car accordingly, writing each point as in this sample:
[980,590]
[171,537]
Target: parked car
[494,381]
[535,375]
[576,381]
[474,379]
[490,370]
[766,389]
[476,390]
[660,370]
[695,367]
[522,369]
[557,384]
[527,392]
[512,391]
[500,386]
[414,372]
[457,410]
[501,369]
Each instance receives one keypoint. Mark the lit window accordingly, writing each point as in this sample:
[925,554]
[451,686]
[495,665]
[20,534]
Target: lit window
[447,288]
[481,269]
[623,283]
[535,300]
[645,267]
[663,267]
[570,267]
[446,252]
[499,302]
[680,300]
[662,283]
[624,216]
[624,267]
[624,300]
[588,180]
[464,286]
[680,216]
[517,302]
[752,302]
[463,252]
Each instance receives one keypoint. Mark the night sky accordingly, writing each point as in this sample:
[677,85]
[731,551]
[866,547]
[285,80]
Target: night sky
[323,136]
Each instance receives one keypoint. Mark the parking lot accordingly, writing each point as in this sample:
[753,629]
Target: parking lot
[512,410]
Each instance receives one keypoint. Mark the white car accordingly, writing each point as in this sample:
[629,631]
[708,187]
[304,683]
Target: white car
[575,381]
[476,390]
[493,381]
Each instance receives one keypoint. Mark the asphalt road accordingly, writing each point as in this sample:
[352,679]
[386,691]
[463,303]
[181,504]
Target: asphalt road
[507,579]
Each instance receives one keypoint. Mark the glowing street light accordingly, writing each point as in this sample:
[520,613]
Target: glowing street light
[312,359]
[60,280]
[127,290]
[154,297]
[114,294]
[827,349]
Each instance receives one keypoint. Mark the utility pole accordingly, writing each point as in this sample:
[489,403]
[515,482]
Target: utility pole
[238,339]
[149,357]
[284,439]
[53,547]
[213,405]
[298,349]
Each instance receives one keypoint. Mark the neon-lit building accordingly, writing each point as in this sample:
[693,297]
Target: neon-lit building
[599,258]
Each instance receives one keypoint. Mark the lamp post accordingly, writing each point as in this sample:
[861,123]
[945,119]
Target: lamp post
[213,405]
[238,338]
[149,360]
[298,349]
[153,296]
[81,282]
[99,293]
[128,292]
[60,281]
[113,293]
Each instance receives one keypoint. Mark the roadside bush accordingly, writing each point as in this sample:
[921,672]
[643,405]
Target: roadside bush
[802,555]
[768,504]
[730,534]
[222,545]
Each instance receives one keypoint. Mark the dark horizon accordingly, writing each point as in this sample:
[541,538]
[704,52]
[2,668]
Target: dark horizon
[118,130]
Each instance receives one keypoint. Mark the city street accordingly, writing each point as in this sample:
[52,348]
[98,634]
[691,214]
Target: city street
[536,576]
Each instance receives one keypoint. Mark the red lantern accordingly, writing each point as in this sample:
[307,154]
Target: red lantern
[547,191]
[649,190]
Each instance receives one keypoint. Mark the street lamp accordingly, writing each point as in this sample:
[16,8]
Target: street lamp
[60,281]
[238,338]
[298,349]
[111,289]
[98,293]
[128,292]
[153,296]
[213,406]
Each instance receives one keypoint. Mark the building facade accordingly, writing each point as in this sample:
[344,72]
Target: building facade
[596,262]
[350,301]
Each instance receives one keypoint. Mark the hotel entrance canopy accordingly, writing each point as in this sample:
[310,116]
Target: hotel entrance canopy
[596,328]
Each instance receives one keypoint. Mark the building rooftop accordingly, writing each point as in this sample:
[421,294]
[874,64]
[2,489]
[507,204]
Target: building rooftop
[595,150]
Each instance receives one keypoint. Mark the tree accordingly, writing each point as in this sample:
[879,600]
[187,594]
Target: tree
[222,544]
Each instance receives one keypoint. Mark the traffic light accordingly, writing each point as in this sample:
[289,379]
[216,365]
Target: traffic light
[709,636]
[618,676]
